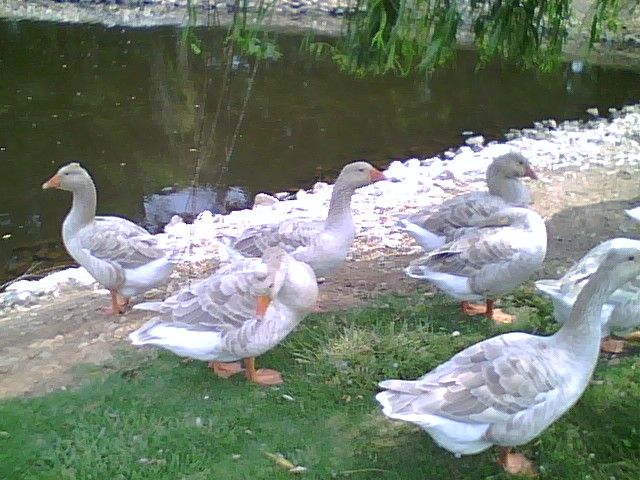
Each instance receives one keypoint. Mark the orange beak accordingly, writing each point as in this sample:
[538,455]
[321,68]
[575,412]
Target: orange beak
[530,173]
[376,175]
[53,182]
[263,303]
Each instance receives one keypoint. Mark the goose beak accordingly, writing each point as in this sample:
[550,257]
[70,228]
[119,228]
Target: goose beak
[530,173]
[263,303]
[376,175]
[53,182]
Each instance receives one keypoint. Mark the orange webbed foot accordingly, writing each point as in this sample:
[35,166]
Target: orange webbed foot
[225,370]
[517,464]
[265,376]
[262,376]
[501,318]
[472,309]
[612,345]
[119,305]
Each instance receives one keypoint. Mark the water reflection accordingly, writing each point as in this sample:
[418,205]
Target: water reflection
[135,106]
[187,202]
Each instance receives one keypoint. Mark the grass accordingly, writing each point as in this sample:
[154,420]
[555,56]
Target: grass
[149,415]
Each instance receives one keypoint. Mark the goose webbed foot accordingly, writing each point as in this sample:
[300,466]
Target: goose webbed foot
[516,463]
[262,376]
[224,369]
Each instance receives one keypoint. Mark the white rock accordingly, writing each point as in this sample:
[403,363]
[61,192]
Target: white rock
[264,199]
[318,186]
[475,141]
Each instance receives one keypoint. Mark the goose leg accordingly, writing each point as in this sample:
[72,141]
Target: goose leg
[262,376]
[516,463]
[117,306]
[123,302]
[497,315]
[225,370]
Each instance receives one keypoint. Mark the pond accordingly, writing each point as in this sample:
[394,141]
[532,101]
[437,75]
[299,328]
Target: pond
[127,104]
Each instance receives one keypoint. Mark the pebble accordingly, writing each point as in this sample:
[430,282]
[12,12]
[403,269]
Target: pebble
[264,199]
[476,141]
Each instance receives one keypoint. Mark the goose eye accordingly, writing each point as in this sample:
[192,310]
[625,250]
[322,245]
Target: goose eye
[632,258]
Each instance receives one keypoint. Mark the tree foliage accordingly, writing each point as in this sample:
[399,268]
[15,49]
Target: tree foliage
[382,36]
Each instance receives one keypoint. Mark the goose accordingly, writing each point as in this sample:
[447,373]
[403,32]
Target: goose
[120,255]
[322,244]
[621,311]
[492,259]
[506,390]
[433,227]
[241,311]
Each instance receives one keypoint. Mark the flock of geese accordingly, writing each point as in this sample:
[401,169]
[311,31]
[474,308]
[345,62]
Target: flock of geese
[503,391]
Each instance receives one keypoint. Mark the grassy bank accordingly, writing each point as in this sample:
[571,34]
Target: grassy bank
[149,415]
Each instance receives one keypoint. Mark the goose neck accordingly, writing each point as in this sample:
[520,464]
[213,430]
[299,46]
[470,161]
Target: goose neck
[581,333]
[83,207]
[339,216]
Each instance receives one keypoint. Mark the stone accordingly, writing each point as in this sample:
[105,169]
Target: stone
[318,186]
[264,199]
[476,141]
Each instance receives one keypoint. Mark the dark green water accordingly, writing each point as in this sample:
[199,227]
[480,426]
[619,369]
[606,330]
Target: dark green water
[126,103]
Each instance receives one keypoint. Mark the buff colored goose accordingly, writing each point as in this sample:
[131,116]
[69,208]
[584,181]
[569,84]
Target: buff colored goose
[433,227]
[241,311]
[322,244]
[489,260]
[120,255]
[506,390]
[621,311]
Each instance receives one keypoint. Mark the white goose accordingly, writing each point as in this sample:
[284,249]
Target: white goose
[322,244]
[120,255]
[433,227]
[621,311]
[506,390]
[489,260]
[241,311]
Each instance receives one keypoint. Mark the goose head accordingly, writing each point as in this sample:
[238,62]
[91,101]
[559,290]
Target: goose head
[291,282]
[622,262]
[511,165]
[71,177]
[358,174]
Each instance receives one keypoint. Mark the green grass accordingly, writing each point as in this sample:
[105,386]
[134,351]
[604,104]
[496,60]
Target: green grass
[149,415]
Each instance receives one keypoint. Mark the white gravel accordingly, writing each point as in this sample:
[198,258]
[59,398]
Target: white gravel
[414,184]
